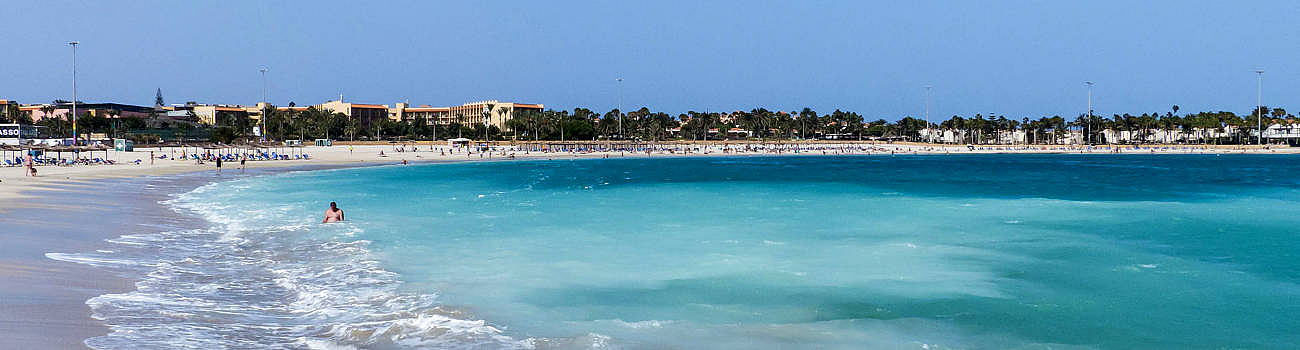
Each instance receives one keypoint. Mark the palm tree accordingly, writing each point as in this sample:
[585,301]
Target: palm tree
[353,125]
[505,114]
[487,117]
[114,115]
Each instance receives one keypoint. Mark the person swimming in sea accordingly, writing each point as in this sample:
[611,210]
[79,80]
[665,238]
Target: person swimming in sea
[333,214]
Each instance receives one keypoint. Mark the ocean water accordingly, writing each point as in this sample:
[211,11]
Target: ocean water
[816,252]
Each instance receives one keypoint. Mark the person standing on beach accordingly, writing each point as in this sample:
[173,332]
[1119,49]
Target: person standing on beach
[242,160]
[218,165]
[31,167]
[333,214]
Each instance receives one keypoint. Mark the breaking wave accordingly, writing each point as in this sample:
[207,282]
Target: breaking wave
[295,285]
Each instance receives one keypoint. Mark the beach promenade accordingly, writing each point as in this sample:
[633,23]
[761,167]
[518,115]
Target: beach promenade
[76,208]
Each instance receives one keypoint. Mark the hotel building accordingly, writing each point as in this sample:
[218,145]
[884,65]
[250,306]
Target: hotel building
[106,110]
[209,114]
[402,112]
[8,109]
[478,113]
[367,114]
[472,113]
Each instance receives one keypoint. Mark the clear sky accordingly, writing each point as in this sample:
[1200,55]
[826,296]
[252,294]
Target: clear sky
[1013,58]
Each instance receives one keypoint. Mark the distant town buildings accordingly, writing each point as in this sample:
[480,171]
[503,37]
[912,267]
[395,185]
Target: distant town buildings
[497,113]
[210,114]
[106,110]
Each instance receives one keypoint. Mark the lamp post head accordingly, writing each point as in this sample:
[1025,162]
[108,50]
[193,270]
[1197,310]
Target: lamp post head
[1259,71]
[263,69]
[74,43]
[1089,83]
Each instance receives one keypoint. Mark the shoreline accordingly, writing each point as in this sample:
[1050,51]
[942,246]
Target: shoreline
[76,209]
[42,297]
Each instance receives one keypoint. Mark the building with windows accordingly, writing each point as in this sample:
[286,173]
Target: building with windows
[9,109]
[106,110]
[491,112]
[473,113]
[366,114]
[402,112]
[208,114]
[1281,132]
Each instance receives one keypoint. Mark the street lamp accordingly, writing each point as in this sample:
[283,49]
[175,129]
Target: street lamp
[74,90]
[1259,107]
[1088,123]
[262,120]
[929,133]
[620,108]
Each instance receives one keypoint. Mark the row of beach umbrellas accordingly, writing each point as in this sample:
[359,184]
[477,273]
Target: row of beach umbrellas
[10,152]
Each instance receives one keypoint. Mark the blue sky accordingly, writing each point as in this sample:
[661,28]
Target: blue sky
[1013,58]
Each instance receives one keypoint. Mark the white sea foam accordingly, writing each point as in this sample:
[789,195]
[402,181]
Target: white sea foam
[92,260]
[243,283]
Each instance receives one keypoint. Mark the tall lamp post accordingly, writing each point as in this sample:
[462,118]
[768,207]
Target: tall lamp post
[1259,107]
[620,108]
[929,133]
[1088,123]
[262,121]
[74,90]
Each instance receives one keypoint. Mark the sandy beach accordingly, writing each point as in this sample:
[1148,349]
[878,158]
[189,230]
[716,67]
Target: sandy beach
[68,209]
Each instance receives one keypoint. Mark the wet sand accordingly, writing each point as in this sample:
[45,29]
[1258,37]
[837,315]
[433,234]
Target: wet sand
[43,300]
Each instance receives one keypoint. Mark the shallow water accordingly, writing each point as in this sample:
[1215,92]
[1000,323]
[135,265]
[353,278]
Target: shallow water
[908,252]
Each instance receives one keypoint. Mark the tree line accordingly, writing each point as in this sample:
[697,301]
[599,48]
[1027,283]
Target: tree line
[643,124]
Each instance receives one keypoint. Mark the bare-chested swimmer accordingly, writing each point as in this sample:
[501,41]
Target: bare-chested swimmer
[333,214]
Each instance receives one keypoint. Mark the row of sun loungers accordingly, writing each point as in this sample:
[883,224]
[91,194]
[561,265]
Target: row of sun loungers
[59,162]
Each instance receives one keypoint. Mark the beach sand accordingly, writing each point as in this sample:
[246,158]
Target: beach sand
[75,209]
[42,301]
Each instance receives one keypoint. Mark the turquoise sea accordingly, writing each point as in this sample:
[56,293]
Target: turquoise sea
[810,252]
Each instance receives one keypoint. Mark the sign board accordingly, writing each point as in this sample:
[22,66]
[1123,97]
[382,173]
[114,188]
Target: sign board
[16,134]
[123,145]
[16,131]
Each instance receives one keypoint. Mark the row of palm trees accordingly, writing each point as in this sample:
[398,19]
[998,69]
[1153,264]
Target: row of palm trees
[1203,127]
[758,123]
